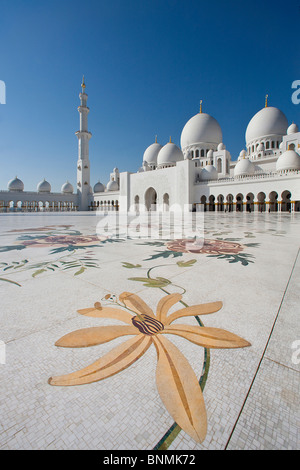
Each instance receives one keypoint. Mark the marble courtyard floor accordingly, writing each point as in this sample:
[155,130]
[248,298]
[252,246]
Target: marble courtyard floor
[53,265]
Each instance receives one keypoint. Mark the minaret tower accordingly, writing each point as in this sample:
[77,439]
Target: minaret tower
[83,164]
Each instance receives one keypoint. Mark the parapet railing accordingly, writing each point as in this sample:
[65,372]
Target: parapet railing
[256,176]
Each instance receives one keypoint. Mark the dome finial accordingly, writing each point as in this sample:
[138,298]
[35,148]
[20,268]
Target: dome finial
[200,106]
[266,101]
[170,141]
[156,139]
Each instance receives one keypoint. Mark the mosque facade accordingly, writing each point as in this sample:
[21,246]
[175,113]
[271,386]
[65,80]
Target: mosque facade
[200,175]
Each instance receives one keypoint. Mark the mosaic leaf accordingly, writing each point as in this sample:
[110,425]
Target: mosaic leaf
[186,264]
[157,282]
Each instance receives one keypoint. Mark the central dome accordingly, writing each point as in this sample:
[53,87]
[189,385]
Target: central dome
[268,121]
[201,128]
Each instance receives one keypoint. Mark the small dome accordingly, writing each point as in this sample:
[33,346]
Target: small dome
[150,154]
[292,129]
[221,146]
[99,188]
[169,154]
[201,128]
[289,160]
[112,185]
[67,188]
[268,121]
[244,167]
[15,185]
[44,187]
[209,172]
[210,153]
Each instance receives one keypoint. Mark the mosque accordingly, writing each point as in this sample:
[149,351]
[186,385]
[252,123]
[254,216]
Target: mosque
[199,176]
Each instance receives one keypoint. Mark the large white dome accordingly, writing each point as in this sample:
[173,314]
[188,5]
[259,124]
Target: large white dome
[150,154]
[244,167]
[268,121]
[44,187]
[201,128]
[15,185]
[169,154]
[289,160]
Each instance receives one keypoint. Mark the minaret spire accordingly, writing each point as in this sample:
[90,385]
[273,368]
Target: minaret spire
[83,84]
[266,101]
[83,164]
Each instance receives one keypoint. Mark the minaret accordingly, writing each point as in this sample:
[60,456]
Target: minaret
[83,164]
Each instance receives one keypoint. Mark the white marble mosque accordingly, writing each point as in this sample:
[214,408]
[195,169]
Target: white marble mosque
[199,176]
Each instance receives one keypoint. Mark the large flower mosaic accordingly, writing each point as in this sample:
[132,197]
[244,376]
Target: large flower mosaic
[176,380]
[207,246]
[59,241]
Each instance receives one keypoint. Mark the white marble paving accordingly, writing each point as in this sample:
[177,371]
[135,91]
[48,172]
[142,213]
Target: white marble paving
[251,394]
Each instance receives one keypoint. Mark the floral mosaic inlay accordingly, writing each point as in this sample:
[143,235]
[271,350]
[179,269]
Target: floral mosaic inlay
[176,381]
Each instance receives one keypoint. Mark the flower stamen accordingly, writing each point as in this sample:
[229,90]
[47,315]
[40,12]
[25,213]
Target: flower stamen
[147,325]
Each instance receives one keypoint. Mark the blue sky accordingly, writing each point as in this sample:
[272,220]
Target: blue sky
[147,64]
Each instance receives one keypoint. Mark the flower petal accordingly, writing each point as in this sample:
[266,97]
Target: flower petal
[135,303]
[165,304]
[207,337]
[179,389]
[107,312]
[95,335]
[194,310]
[113,362]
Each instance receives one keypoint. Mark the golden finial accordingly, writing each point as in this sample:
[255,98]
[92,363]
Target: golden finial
[170,140]
[83,84]
[156,139]
[266,101]
[200,106]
